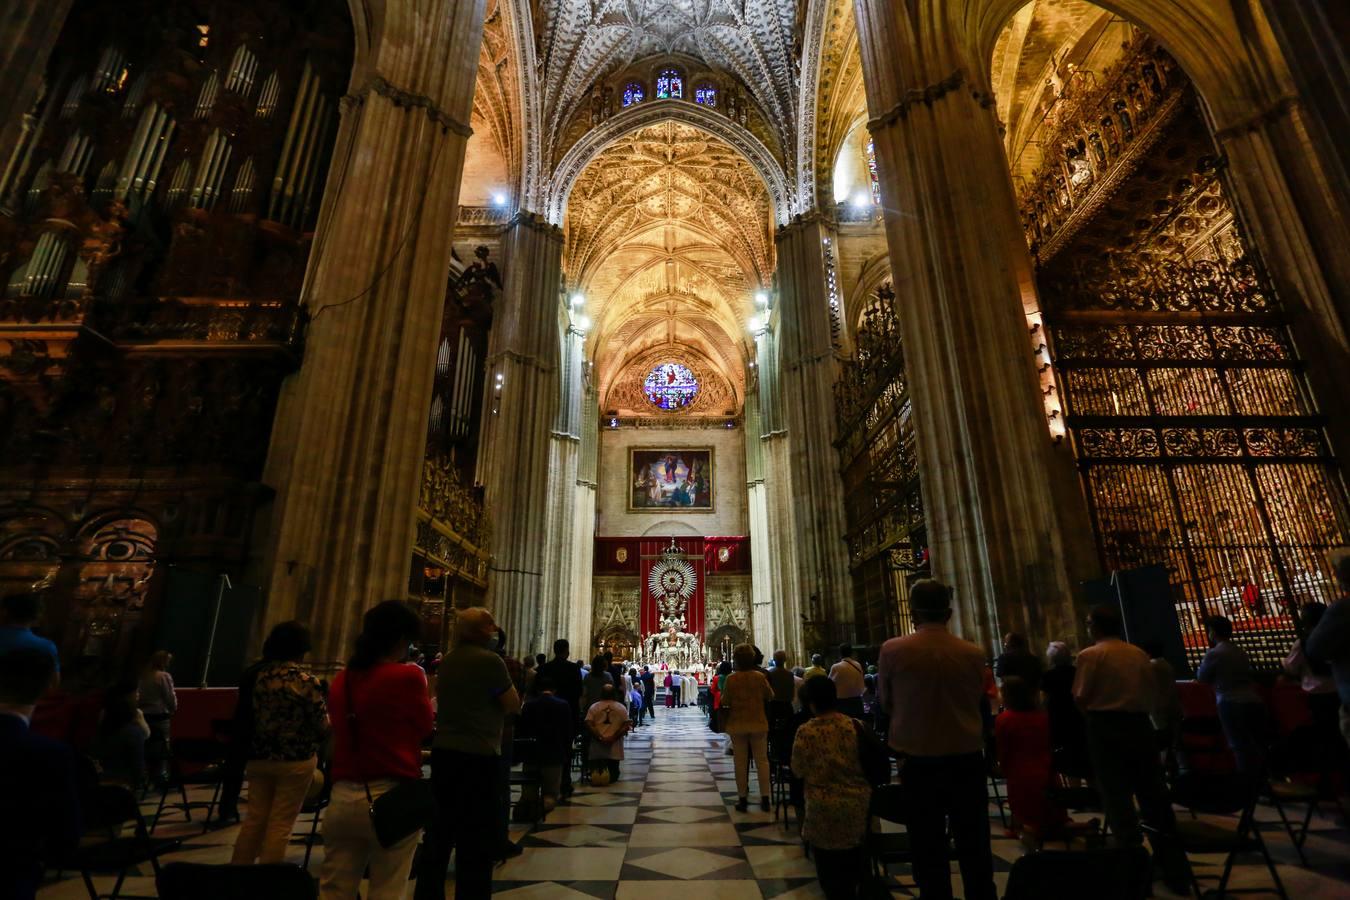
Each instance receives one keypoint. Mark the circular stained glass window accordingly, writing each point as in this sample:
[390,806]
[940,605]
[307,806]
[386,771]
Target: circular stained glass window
[670,386]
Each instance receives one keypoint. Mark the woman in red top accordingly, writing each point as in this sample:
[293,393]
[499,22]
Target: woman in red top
[392,719]
[1022,736]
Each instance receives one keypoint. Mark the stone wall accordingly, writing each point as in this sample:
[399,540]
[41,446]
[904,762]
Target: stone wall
[728,517]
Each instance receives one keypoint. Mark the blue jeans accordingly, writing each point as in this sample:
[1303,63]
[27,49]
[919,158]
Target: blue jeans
[1244,725]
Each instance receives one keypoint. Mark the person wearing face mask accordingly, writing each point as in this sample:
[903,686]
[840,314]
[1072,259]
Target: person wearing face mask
[474,695]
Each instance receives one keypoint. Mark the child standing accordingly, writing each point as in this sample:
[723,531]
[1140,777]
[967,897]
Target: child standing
[607,722]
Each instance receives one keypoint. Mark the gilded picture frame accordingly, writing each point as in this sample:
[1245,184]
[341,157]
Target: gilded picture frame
[671,479]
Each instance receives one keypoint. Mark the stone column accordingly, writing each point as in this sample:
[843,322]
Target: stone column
[807,369]
[350,434]
[577,620]
[773,535]
[764,596]
[519,414]
[997,534]
[564,457]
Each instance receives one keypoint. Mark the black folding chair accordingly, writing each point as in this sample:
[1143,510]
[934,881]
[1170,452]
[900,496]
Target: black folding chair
[527,805]
[885,848]
[1228,794]
[194,763]
[1108,873]
[314,809]
[1304,768]
[107,848]
[272,881]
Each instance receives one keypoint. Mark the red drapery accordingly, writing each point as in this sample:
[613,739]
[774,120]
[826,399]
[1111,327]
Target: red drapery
[692,551]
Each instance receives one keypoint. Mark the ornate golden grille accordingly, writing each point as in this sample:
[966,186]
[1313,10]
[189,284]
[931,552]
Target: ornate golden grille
[1198,445]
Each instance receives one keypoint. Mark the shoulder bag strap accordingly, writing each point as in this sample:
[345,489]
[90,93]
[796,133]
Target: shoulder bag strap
[351,726]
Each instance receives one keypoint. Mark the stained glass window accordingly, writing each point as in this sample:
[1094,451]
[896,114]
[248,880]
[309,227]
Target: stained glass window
[670,386]
[872,170]
[633,94]
[707,95]
[669,85]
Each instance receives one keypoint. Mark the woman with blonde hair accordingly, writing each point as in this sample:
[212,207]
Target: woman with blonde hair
[745,702]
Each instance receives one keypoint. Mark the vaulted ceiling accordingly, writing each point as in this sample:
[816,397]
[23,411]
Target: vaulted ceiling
[580,41]
[668,238]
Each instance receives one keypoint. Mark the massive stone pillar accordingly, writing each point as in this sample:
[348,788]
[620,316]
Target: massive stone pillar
[773,534]
[350,434]
[561,560]
[997,534]
[578,616]
[765,586]
[806,371]
[519,415]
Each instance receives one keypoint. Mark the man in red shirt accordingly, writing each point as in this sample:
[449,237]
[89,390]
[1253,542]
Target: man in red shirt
[381,715]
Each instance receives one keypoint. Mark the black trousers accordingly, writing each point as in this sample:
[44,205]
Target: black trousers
[1125,765]
[467,803]
[648,706]
[943,792]
[840,871]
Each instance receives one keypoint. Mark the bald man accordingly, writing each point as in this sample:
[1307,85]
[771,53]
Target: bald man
[474,695]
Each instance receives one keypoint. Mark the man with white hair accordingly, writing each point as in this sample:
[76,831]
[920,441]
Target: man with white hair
[474,694]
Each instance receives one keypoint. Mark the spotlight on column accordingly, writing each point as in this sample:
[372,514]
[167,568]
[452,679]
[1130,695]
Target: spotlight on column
[756,324]
[499,199]
[862,199]
[582,324]
[761,298]
[577,300]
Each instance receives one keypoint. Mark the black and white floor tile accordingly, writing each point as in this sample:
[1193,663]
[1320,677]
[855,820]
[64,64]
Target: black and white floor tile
[668,830]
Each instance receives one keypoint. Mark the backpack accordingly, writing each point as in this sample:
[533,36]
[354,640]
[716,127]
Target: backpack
[873,755]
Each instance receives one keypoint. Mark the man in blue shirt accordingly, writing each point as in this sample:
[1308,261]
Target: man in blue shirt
[37,779]
[18,613]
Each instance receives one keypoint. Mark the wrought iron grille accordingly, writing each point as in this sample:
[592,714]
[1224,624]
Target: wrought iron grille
[1199,446]
[886,537]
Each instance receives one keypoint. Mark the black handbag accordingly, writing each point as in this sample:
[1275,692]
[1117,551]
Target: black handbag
[401,811]
[873,755]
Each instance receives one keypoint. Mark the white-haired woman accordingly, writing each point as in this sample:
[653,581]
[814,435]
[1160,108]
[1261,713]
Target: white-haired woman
[1068,737]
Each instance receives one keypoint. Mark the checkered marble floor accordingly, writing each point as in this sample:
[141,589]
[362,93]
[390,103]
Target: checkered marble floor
[670,820]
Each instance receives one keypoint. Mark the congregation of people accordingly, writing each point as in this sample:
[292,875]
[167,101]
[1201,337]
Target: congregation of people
[931,718]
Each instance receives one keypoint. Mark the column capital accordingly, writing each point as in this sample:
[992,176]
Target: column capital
[535,221]
[405,99]
[928,95]
[800,222]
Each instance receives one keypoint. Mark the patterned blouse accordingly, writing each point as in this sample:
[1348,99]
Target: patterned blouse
[290,717]
[825,756]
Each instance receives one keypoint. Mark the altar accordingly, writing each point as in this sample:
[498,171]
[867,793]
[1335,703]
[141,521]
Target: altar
[672,612]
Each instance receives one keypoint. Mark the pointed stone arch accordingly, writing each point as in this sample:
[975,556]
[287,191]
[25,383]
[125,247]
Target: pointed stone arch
[634,118]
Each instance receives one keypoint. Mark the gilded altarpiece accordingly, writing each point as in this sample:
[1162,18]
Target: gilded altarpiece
[1197,439]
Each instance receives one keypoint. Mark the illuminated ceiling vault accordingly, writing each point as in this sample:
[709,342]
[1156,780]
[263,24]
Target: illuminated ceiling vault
[581,40]
[668,238]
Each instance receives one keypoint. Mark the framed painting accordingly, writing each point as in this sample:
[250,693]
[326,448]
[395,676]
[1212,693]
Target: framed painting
[670,480]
